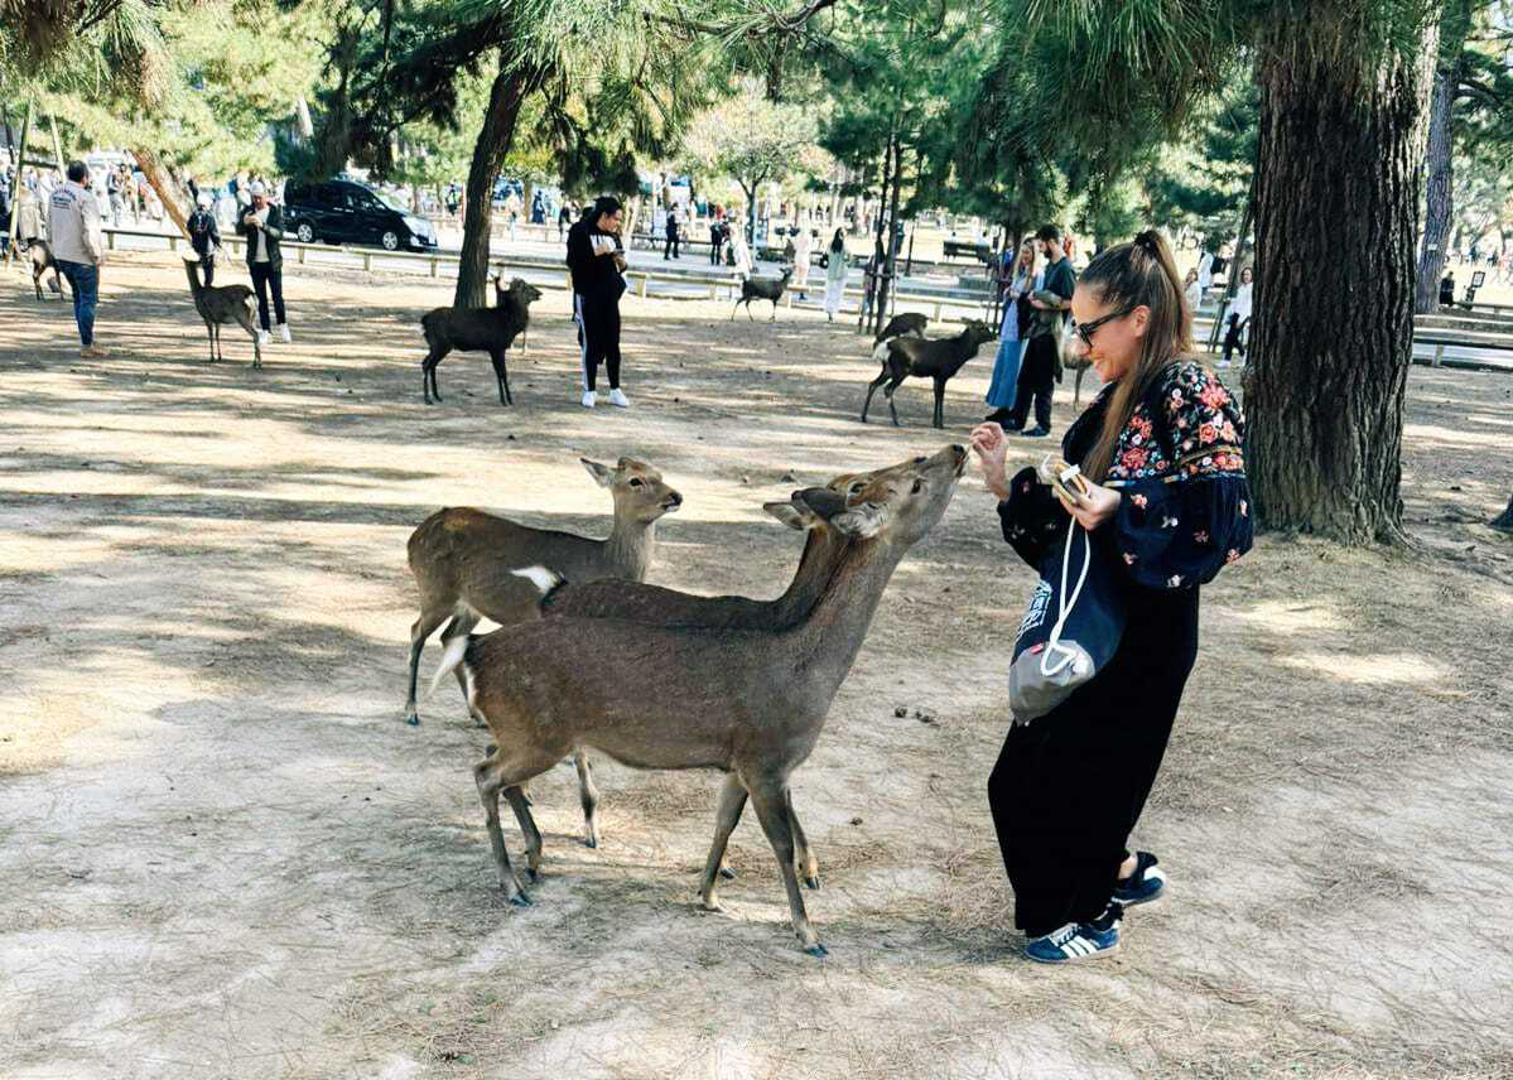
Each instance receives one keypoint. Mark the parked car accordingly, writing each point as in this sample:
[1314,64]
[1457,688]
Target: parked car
[346,212]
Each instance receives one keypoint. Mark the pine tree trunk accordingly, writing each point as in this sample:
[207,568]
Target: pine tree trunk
[1439,194]
[161,183]
[1340,163]
[1504,521]
[494,141]
[886,285]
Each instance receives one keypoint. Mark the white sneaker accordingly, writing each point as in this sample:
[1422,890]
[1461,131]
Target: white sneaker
[1224,363]
[283,333]
[590,399]
[617,398]
[263,338]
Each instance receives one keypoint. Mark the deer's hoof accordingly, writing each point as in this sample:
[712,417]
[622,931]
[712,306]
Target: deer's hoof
[817,951]
[728,873]
[591,842]
[521,900]
[413,719]
[710,903]
[812,882]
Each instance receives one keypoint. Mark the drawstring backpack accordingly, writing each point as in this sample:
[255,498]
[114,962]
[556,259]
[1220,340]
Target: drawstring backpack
[1074,621]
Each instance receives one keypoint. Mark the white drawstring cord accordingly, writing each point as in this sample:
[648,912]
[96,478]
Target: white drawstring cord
[1065,604]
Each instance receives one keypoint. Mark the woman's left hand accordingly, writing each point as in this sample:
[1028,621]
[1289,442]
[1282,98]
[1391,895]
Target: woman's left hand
[1094,506]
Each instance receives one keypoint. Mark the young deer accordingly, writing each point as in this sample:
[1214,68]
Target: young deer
[639,602]
[762,288]
[461,557]
[936,358]
[221,304]
[749,702]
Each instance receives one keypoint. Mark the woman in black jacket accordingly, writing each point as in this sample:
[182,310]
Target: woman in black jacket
[596,259]
[1170,506]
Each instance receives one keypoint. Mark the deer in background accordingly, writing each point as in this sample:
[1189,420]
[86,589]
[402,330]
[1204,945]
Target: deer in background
[748,702]
[762,288]
[492,330]
[935,358]
[222,304]
[461,557]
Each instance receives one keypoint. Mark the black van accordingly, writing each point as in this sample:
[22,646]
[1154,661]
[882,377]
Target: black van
[346,212]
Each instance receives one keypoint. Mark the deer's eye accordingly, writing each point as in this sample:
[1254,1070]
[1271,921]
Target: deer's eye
[919,461]
[919,485]
[635,481]
[857,487]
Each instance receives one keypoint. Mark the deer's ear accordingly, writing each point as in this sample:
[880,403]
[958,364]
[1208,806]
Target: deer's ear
[789,514]
[860,521]
[603,475]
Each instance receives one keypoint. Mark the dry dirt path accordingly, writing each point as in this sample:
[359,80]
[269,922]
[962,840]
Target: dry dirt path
[222,853]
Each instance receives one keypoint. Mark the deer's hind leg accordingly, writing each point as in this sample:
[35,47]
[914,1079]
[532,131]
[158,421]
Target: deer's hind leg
[501,375]
[422,629]
[872,389]
[509,768]
[244,320]
[805,863]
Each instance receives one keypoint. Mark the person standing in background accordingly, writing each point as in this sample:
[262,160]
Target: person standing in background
[803,254]
[1191,293]
[718,232]
[263,226]
[835,274]
[1051,302]
[1239,317]
[1017,317]
[671,249]
[78,246]
[595,257]
[204,235]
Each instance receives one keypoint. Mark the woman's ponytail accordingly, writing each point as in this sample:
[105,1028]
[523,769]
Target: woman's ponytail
[1139,273]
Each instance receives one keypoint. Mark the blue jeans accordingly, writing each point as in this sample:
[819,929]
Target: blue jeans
[1005,375]
[84,279]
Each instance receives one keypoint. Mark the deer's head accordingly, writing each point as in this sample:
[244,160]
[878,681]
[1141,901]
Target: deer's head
[638,489]
[978,332]
[900,504]
[520,290]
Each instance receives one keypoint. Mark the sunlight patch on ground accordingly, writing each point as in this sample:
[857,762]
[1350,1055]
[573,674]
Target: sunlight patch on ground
[1381,669]
[1282,617]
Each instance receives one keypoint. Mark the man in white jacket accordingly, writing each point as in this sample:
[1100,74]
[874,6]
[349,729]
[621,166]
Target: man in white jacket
[74,231]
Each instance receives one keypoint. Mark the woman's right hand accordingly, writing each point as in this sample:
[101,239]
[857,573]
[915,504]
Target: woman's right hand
[992,448]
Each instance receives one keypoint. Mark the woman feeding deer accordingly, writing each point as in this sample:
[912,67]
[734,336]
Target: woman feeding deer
[1160,506]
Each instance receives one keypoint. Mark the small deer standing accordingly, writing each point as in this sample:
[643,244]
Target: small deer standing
[462,558]
[762,288]
[750,703]
[222,304]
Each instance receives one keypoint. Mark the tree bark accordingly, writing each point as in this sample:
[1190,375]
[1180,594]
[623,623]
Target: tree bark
[880,250]
[1439,194]
[1333,324]
[1504,521]
[20,162]
[158,177]
[885,286]
[509,91]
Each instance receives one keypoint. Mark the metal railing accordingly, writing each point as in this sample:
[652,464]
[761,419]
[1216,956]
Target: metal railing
[636,277]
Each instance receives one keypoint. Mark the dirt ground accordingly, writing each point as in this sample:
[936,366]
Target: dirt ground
[222,853]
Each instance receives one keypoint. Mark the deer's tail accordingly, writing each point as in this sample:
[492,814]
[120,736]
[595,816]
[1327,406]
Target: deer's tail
[455,653]
[545,579]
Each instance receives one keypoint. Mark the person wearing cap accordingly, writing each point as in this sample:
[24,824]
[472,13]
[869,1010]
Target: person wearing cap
[595,257]
[77,239]
[204,235]
[263,225]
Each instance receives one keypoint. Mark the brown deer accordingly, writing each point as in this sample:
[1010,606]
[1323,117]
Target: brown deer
[222,304]
[640,602]
[749,702]
[461,557]
[935,358]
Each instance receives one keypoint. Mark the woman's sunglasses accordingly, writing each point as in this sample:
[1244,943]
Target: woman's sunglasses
[1086,330]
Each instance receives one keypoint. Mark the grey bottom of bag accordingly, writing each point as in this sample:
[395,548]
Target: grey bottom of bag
[1032,694]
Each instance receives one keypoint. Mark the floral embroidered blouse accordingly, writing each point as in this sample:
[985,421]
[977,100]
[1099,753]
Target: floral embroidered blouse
[1185,510]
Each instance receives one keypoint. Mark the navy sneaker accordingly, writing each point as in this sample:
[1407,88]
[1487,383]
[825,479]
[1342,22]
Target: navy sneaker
[1037,433]
[1146,884]
[1077,941]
